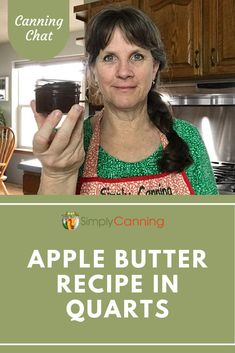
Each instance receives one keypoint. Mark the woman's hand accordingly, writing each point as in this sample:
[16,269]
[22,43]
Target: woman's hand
[61,153]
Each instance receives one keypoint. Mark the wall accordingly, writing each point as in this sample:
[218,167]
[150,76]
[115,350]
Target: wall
[7,56]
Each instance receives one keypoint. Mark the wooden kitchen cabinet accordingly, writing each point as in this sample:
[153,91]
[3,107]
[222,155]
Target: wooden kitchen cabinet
[31,175]
[199,36]
[179,23]
[31,182]
[219,37]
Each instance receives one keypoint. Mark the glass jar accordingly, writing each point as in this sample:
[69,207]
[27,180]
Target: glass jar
[56,94]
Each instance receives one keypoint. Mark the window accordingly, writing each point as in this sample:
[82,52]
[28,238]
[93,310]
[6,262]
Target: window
[24,78]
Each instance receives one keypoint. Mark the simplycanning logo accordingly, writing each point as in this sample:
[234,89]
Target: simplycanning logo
[71,220]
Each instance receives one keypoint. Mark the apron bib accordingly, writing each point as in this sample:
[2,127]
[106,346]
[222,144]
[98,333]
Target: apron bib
[159,184]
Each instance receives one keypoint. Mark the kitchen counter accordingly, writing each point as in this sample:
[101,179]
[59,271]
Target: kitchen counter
[31,175]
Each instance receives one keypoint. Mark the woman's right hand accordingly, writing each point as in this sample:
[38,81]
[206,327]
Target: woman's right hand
[61,153]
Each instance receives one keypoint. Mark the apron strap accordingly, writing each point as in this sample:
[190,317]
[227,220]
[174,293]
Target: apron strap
[91,161]
[163,140]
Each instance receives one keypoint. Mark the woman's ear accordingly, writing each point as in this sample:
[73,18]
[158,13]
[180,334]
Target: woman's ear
[93,92]
[155,69]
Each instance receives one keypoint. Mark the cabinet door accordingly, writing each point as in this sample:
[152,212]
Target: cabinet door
[179,22]
[99,5]
[219,37]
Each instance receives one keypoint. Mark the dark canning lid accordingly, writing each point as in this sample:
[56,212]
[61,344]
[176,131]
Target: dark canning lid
[56,95]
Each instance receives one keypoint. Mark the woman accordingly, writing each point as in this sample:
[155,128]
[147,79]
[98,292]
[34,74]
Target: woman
[133,146]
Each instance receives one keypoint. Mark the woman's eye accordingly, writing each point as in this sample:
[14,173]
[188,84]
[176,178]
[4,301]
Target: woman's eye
[108,58]
[137,57]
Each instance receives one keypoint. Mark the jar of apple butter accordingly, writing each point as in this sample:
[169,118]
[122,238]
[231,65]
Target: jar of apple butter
[56,94]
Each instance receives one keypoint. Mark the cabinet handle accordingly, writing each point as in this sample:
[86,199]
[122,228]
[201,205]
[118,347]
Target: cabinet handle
[213,57]
[197,59]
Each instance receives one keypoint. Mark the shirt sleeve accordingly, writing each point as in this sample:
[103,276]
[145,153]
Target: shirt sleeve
[200,173]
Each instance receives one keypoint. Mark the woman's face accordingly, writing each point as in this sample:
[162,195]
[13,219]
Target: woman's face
[124,73]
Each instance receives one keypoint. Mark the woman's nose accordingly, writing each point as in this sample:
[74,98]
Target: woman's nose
[124,69]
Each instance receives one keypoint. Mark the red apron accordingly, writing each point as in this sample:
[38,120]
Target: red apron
[159,184]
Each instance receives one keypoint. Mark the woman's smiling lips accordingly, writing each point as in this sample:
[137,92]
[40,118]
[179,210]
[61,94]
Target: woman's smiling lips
[124,88]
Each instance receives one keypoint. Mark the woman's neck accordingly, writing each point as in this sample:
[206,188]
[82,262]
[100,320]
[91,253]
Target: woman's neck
[125,121]
[128,136]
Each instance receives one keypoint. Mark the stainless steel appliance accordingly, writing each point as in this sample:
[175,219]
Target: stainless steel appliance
[211,107]
[225,177]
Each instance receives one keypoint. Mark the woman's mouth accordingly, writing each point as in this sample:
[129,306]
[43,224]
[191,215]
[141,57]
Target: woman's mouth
[124,88]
